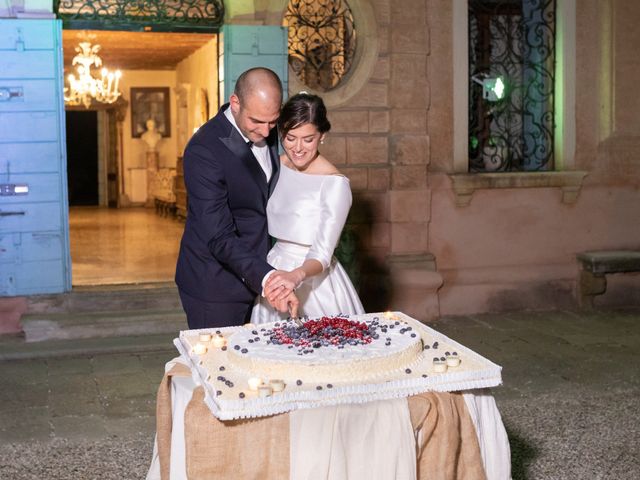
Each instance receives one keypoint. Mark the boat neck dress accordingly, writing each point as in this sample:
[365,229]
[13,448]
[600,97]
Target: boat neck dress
[306,214]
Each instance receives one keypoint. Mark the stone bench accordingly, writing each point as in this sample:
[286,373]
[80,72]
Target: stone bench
[595,265]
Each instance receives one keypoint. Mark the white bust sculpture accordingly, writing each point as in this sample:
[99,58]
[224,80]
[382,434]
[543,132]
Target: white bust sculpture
[151,137]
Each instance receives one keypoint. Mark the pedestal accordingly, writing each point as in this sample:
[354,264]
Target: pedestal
[152,172]
[415,286]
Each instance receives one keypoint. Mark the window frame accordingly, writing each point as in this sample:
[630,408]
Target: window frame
[564,175]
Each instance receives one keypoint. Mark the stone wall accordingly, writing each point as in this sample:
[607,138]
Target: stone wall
[380,140]
[515,248]
[510,248]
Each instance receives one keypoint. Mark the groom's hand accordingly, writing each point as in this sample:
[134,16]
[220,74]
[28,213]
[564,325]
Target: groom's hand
[292,305]
[289,304]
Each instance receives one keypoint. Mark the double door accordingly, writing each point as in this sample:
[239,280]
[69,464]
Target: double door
[34,240]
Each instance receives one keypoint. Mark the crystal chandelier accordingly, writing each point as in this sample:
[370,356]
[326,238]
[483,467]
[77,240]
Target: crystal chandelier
[85,87]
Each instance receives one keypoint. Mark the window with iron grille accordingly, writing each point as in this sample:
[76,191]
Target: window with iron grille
[322,41]
[511,85]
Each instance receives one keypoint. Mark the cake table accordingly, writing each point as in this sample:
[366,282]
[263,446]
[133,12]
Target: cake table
[226,377]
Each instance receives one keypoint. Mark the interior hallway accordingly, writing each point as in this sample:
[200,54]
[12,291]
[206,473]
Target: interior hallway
[116,246]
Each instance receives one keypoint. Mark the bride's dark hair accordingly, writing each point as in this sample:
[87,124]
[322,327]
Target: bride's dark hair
[300,109]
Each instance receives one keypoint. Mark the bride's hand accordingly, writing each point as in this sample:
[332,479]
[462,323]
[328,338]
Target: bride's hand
[281,283]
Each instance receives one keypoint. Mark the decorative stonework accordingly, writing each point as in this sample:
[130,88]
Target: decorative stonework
[156,15]
[364,60]
[322,41]
[465,184]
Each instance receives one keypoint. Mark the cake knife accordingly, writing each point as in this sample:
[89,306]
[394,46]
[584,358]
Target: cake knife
[296,319]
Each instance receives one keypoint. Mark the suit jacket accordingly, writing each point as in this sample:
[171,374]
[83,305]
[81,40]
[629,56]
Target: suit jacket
[225,242]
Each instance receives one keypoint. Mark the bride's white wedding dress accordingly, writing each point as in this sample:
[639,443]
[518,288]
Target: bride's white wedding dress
[306,214]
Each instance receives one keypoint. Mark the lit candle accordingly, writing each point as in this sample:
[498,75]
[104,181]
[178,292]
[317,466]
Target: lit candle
[109,81]
[265,390]
[389,316]
[453,360]
[204,337]
[439,366]
[118,75]
[200,349]
[277,385]
[254,383]
[219,341]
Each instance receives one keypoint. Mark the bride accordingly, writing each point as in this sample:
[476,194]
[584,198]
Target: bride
[306,214]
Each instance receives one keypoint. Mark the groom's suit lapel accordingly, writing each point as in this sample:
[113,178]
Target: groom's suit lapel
[275,161]
[236,144]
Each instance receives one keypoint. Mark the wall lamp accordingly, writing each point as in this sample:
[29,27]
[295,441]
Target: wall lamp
[493,88]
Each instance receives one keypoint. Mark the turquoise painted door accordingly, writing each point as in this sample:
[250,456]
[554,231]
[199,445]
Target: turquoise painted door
[247,46]
[34,232]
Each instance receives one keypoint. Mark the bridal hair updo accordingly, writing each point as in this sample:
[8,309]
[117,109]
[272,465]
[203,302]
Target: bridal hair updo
[301,109]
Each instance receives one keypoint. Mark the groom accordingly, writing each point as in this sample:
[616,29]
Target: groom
[231,167]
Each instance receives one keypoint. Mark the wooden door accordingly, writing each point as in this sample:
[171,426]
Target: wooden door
[34,231]
[247,46]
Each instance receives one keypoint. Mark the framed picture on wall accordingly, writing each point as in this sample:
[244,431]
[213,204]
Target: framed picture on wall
[150,103]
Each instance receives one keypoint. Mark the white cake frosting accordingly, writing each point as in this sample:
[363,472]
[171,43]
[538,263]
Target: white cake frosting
[394,345]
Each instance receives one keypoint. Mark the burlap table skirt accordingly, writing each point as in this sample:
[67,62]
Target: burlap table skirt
[446,442]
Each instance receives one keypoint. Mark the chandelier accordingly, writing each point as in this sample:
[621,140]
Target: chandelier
[85,87]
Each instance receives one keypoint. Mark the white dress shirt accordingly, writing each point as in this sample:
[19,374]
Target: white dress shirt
[260,152]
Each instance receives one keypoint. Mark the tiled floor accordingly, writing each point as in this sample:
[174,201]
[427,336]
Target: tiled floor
[127,245]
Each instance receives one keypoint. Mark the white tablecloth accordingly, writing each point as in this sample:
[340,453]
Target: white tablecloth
[391,432]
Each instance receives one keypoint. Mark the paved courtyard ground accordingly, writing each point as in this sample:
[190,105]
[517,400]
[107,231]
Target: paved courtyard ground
[570,398]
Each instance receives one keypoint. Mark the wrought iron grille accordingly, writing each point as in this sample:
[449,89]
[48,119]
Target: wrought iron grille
[147,15]
[514,40]
[322,41]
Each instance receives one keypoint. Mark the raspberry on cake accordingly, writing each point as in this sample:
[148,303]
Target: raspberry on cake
[324,332]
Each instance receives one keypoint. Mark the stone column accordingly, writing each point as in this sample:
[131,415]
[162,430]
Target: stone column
[152,174]
[121,112]
[414,279]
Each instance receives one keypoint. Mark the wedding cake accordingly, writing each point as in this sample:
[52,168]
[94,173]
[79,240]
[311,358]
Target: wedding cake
[328,349]
[264,369]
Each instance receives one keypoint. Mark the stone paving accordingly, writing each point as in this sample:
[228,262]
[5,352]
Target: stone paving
[570,400]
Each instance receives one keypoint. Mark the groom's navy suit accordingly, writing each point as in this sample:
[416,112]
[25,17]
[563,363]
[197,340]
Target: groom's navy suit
[223,251]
